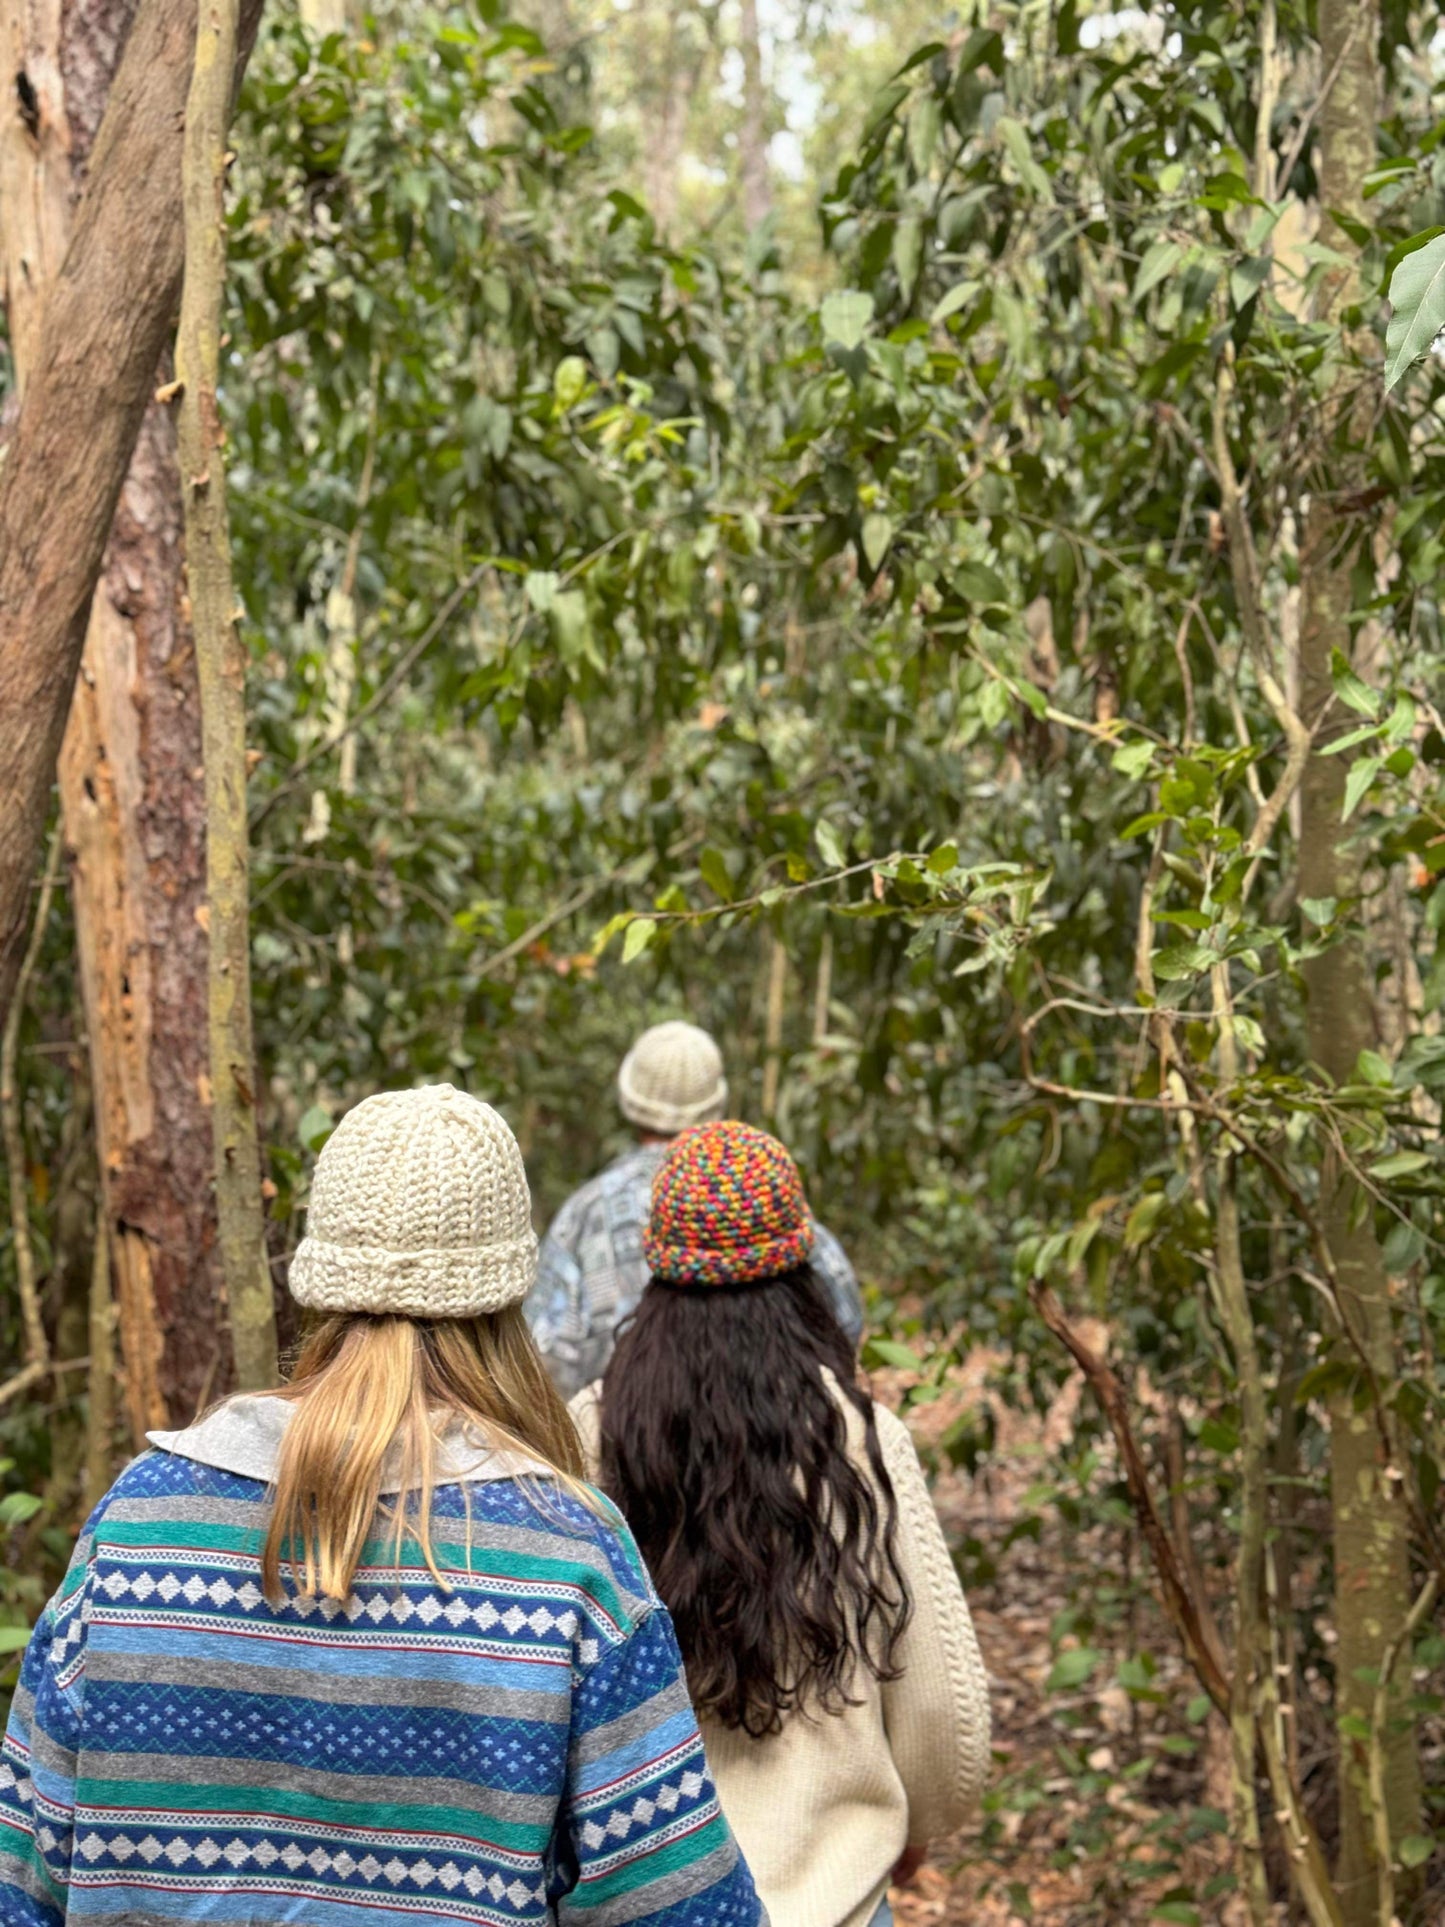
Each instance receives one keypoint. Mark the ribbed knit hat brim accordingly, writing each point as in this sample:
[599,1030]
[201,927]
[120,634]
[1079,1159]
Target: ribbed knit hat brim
[413,1284]
[685,1263]
[419,1207]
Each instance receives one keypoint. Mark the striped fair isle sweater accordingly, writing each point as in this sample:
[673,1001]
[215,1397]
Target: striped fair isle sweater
[516,1748]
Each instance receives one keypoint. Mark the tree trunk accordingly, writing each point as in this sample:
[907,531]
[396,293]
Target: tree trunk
[672,84]
[1371,1535]
[131,793]
[753,135]
[221,660]
[96,347]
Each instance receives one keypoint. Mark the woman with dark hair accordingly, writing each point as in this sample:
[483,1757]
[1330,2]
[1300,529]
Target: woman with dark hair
[787,1526]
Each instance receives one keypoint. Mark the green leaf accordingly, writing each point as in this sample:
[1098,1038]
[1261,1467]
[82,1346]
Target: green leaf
[1351,689]
[1162,259]
[16,1508]
[1371,1068]
[569,384]
[610,929]
[958,296]
[943,859]
[885,105]
[830,845]
[1150,820]
[14,1639]
[887,1351]
[1072,1668]
[1366,733]
[925,124]
[715,873]
[1246,278]
[540,588]
[1400,1164]
[315,1127]
[1415,1849]
[570,621]
[980,583]
[1320,910]
[846,316]
[877,534]
[1015,139]
[983,48]
[907,253]
[1142,1220]
[1362,775]
[1225,191]
[640,932]
[1183,960]
[1417,298]
[1133,759]
[1217,1435]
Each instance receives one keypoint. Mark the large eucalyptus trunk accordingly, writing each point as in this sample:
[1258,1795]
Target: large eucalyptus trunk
[1370,1526]
[130,776]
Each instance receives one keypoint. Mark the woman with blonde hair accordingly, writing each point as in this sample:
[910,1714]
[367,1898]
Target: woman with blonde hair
[366,1650]
[788,1527]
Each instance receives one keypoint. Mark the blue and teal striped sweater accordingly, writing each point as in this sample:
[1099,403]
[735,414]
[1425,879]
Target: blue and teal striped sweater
[517,1748]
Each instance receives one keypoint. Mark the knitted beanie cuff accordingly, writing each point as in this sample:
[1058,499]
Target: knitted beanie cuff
[652,1114]
[688,1264]
[413,1284]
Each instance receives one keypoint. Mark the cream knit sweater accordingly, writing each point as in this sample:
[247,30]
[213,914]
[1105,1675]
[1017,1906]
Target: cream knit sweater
[823,1809]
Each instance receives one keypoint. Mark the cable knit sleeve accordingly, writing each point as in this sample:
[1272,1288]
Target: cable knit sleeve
[936,1713]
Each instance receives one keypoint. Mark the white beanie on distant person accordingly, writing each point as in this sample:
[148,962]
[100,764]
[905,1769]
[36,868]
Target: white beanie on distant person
[671,1078]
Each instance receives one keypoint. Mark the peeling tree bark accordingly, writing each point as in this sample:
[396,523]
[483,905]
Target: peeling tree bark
[130,778]
[98,343]
[1371,1533]
[221,657]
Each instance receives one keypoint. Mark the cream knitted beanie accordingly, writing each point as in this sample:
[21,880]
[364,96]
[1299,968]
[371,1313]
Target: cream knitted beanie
[672,1077]
[419,1206]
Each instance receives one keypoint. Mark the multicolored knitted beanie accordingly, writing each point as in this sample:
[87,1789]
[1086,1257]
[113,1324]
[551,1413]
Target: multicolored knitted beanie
[727,1207]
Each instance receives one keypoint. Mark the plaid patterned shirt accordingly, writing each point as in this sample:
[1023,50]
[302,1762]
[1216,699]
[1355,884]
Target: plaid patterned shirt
[591,1271]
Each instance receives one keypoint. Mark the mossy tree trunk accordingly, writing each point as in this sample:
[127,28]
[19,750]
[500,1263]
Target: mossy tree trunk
[220,654]
[1370,1525]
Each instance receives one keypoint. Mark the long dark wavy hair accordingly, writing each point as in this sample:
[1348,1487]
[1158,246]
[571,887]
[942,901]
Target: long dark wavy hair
[728,1456]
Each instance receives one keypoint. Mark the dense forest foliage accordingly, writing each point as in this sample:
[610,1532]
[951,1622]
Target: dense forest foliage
[914,539]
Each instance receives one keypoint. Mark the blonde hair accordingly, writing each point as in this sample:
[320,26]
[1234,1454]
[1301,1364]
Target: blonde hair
[366,1385]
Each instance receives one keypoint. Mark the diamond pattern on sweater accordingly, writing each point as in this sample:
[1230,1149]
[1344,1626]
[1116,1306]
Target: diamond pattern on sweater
[238,1852]
[491,1685]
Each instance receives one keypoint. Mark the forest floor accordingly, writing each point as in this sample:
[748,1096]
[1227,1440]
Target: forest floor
[1094,1813]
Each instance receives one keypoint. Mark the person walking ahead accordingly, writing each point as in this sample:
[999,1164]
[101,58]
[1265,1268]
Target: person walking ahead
[592,1272]
[366,1651]
[787,1524]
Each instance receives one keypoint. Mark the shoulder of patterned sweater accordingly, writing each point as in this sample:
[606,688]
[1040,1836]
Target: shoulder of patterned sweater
[936,1711]
[586,1409]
